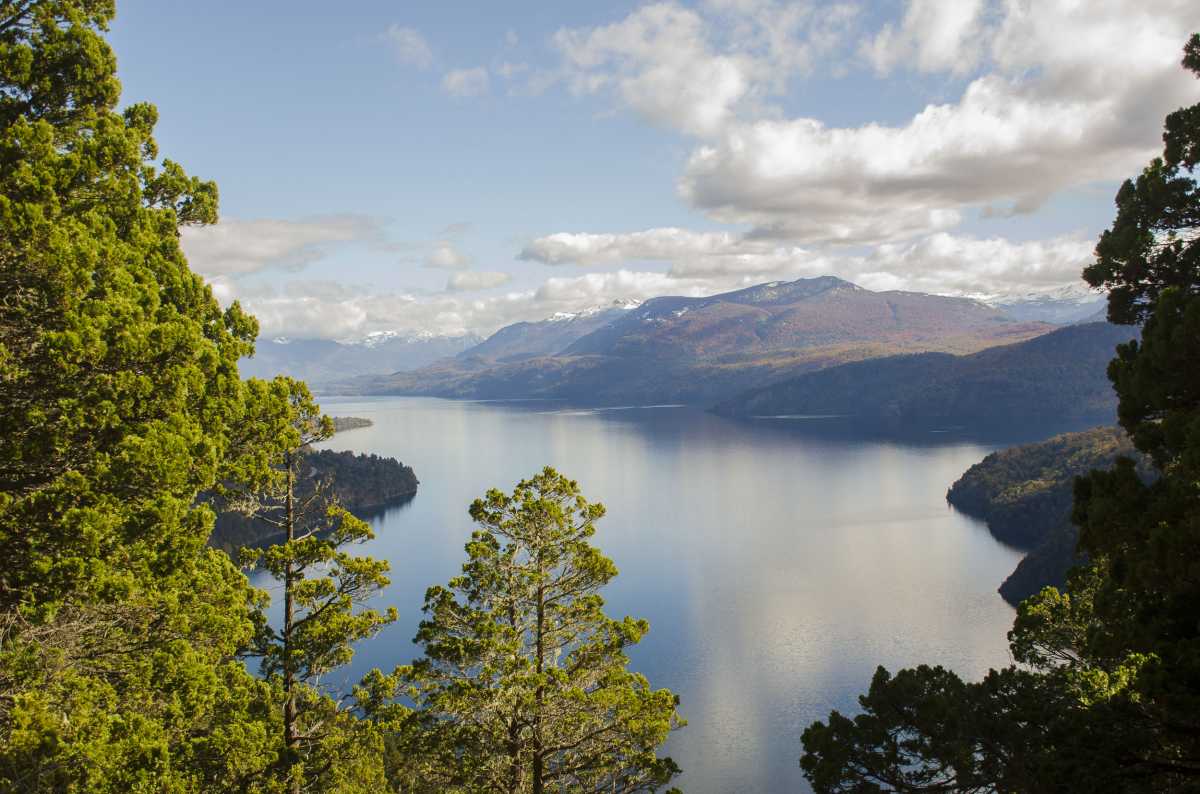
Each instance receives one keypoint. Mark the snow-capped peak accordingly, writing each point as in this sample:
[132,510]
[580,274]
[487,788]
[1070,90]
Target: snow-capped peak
[624,304]
[377,338]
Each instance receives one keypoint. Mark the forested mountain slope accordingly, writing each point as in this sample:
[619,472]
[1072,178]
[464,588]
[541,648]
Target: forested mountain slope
[1057,379]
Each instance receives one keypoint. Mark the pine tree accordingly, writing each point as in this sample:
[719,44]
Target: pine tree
[524,686]
[324,588]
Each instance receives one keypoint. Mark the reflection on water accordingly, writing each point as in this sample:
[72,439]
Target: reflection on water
[777,562]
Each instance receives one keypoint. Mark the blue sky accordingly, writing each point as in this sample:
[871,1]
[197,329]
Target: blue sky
[456,166]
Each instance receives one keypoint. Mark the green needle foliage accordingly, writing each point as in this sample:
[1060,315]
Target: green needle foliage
[119,630]
[122,636]
[323,587]
[523,686]
[1107,697]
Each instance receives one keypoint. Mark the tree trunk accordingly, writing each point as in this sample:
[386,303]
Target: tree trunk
[541,689]
[291,732]
[514,725]
[514,757]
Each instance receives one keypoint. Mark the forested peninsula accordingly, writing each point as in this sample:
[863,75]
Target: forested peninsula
[363,484]
[1025,494]
[343,423]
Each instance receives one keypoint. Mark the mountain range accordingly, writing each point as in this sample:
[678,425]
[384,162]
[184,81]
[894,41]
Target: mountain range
[1062,306]
[547,337]
[704,350]
[320,361]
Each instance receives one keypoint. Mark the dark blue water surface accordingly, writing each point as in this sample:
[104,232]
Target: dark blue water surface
[778,562]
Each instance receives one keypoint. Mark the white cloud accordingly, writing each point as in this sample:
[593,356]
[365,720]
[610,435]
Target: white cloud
[1067,94]
[596,289]
[694,71]
[937,35]
[661,64]
[509,70]
[445,255]
[954,265]
[476,280]
[466,82]
[666,244]
[940,263]
[235,246]
[701,263]
[409,46]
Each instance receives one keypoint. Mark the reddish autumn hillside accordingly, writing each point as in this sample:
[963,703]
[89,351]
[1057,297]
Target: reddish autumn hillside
[793,315]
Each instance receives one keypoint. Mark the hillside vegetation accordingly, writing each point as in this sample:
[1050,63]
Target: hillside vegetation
[1054,380]
[1025,493]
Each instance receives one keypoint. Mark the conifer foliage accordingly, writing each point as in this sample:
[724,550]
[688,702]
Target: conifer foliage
[523,686]
[122,636]
[323,587]
[126,643]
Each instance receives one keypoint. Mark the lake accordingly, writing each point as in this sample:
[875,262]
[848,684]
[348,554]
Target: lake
[778,562]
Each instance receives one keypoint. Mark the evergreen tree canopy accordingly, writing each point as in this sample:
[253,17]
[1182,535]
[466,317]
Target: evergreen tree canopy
[324,588]
[523,686]
[121,633]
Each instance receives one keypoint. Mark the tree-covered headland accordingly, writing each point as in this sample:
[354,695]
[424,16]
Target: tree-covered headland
[134,657]
[1105,695]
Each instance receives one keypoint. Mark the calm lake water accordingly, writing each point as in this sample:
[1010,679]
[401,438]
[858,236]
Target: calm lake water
[777,562]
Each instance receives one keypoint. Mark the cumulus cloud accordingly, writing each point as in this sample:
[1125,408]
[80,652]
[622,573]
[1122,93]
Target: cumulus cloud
[324,314]
[234,247]
[982,267]
[466,82]
[476,280]
[510,71]
[328,310]
[666,244]
[409,46]
[936,35]
[1066,94]
[660,62]
[941,263]
[445,255]
[694,69]
[702,263]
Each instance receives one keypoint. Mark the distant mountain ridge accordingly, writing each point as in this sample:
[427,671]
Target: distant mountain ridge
[784,315]
[702,350]
[1076,303]
[546,337]
[320,361]
[1058,378]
